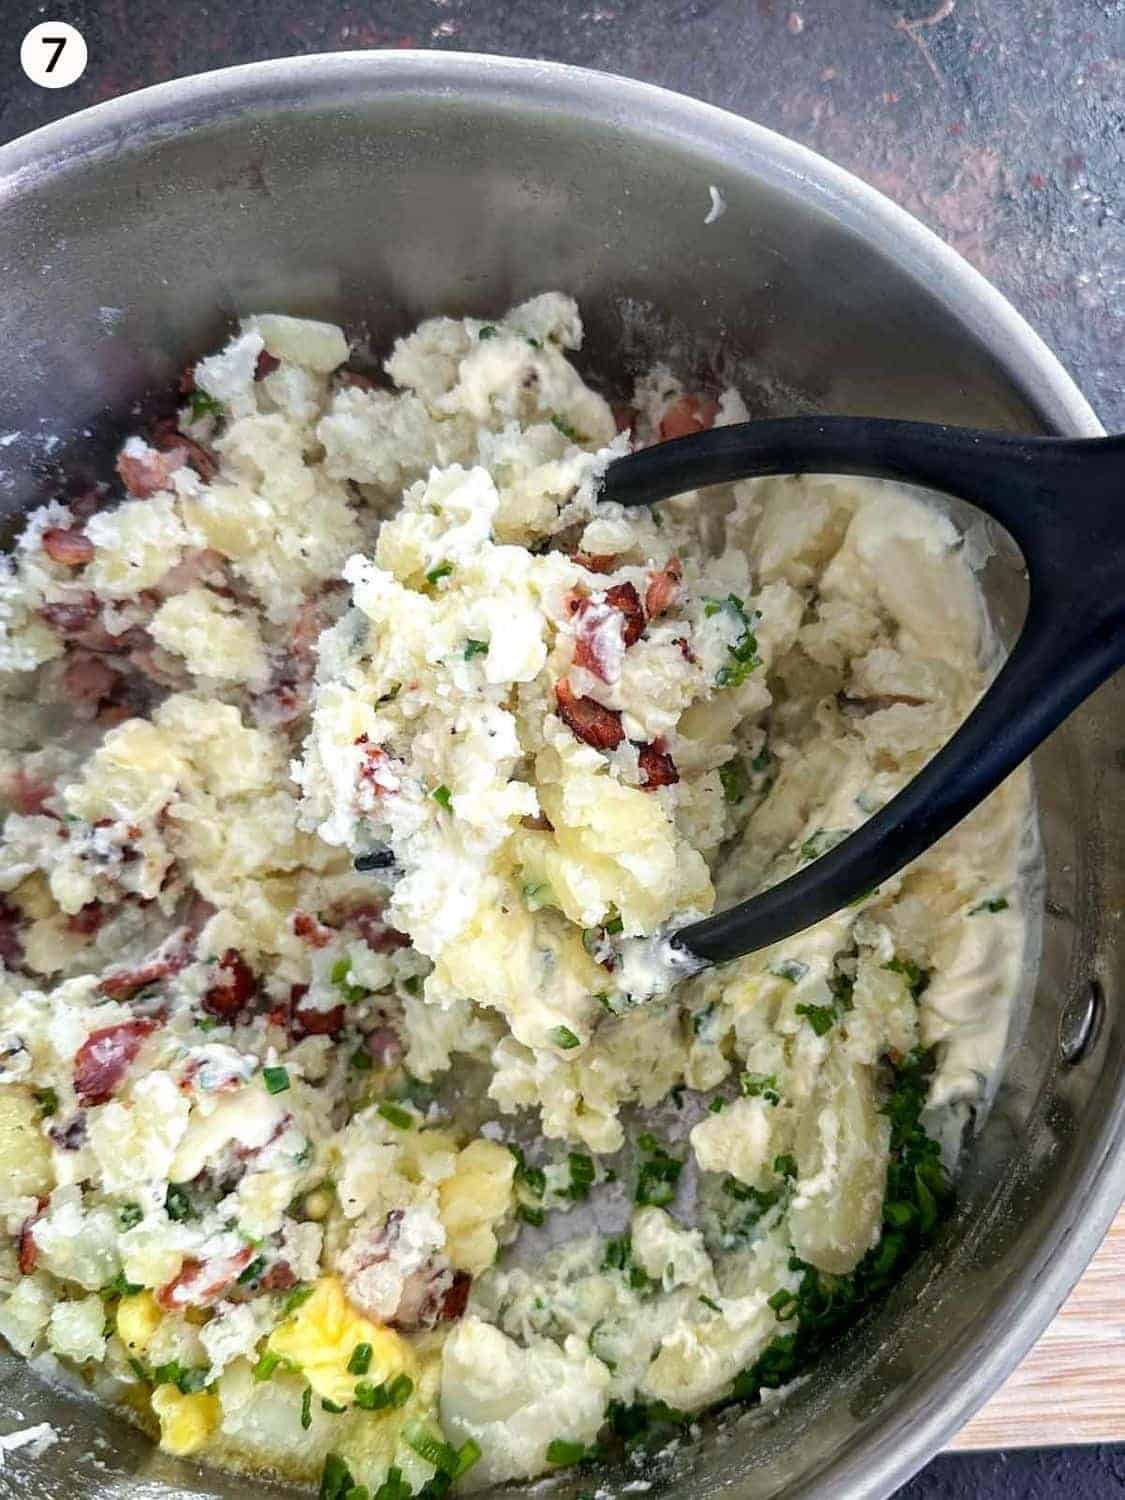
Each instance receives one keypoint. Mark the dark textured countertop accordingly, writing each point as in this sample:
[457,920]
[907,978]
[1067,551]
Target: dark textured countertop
[999,123]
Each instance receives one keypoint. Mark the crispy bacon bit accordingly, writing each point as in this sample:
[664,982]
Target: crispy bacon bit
[71,548]
[87,680]
[88,919]
[233,989]
[624,598]
[11,944]
[279,1278]
[80,622]
[368,922]
[313,932]
[145,472]
[26,793]
[595,562]
[104,1057]
[202,1282]
[28,1249]
[127,982]
[657,766]
[179,449]
[606,625]
[685,650]
[319,1022]
[688,415]
[663,586]
[356,379]
[265,364]
[456,1299]
[384,1047]
[591,722]
[375,768]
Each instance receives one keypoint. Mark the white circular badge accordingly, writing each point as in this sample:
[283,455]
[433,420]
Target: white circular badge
[53,55]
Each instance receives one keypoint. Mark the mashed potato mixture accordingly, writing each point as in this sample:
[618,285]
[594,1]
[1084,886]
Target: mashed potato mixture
[352,750]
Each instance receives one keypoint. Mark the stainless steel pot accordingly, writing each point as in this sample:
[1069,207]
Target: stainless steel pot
[379,188]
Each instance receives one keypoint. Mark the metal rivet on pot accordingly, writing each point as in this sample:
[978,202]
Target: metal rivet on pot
[1080,1022]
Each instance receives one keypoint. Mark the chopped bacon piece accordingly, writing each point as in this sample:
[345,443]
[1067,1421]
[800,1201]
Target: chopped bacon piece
[595,562]
[88,919]
[356,379]
[688,415]
[657,766]
[178,450]
[318,1022]
[663,586]
[313,932]
[145,472]
[127,982]
[28,1249]
[26,793]
[11,944]
[384,1047]
[624,598]
[606,625]
[71,548]
[87,679]
[202,1282]
[368,922]
[537,823]
[591,722]
[233,989]
[456,1298]
[279,1278]
[265,364]
[685,651]
[80,621]
[104,1057]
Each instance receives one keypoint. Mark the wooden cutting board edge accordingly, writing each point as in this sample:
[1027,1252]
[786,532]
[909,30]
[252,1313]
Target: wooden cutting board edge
[1071,1387]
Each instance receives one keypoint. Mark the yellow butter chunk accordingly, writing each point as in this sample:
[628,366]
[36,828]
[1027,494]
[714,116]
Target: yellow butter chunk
[138,1318]
[186,1422]
[321,1336]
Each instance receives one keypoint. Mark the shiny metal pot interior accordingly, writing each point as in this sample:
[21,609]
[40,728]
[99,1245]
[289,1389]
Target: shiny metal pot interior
[378,189]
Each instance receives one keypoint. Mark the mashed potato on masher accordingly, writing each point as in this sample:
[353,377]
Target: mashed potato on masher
[353,751]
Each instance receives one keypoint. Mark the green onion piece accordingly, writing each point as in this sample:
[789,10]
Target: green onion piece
[475,648]
[400,1390]
[299,1295]
[362,1060]
[253,1271]
[997,903]
[336,1479]
[785,1165]
[266,1365]
[306,1407]
[48,1102]
[820,1017]
[359,1361]
[203,405]
[533,1216]
[429,1446]
[563,1453]
[487,332]
[276,1080]
[394,1115]
[443,570]
[732,779]
[443,797]
[177,1204]
[717,1105]
[371,1397]
[760,1086]
[562,1036]
[467,1455]
[129,1215]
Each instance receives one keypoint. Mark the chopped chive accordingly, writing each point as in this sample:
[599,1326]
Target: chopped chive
[467,1455]
[296,1298]
[253,1271]
[203,405]
[443,797]
[400,1390]
[48,1102]
[475,648]
[997,903]
[359,1362]
[563,1453]
[306,1407]
[707,1302]
[760,1086]
[331,1406]
[732,779]
[429,1446]
[177,1204]
[443,570]
[489,331]
[371,1397]
[528,1215]
[266,1365]
[562,1036]
[336,1479]
[785,1165]
[394,1115]
[362,1060]
[717,1105]
[129,1215]
[276,1080]
[820,1017]
[120,1287]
